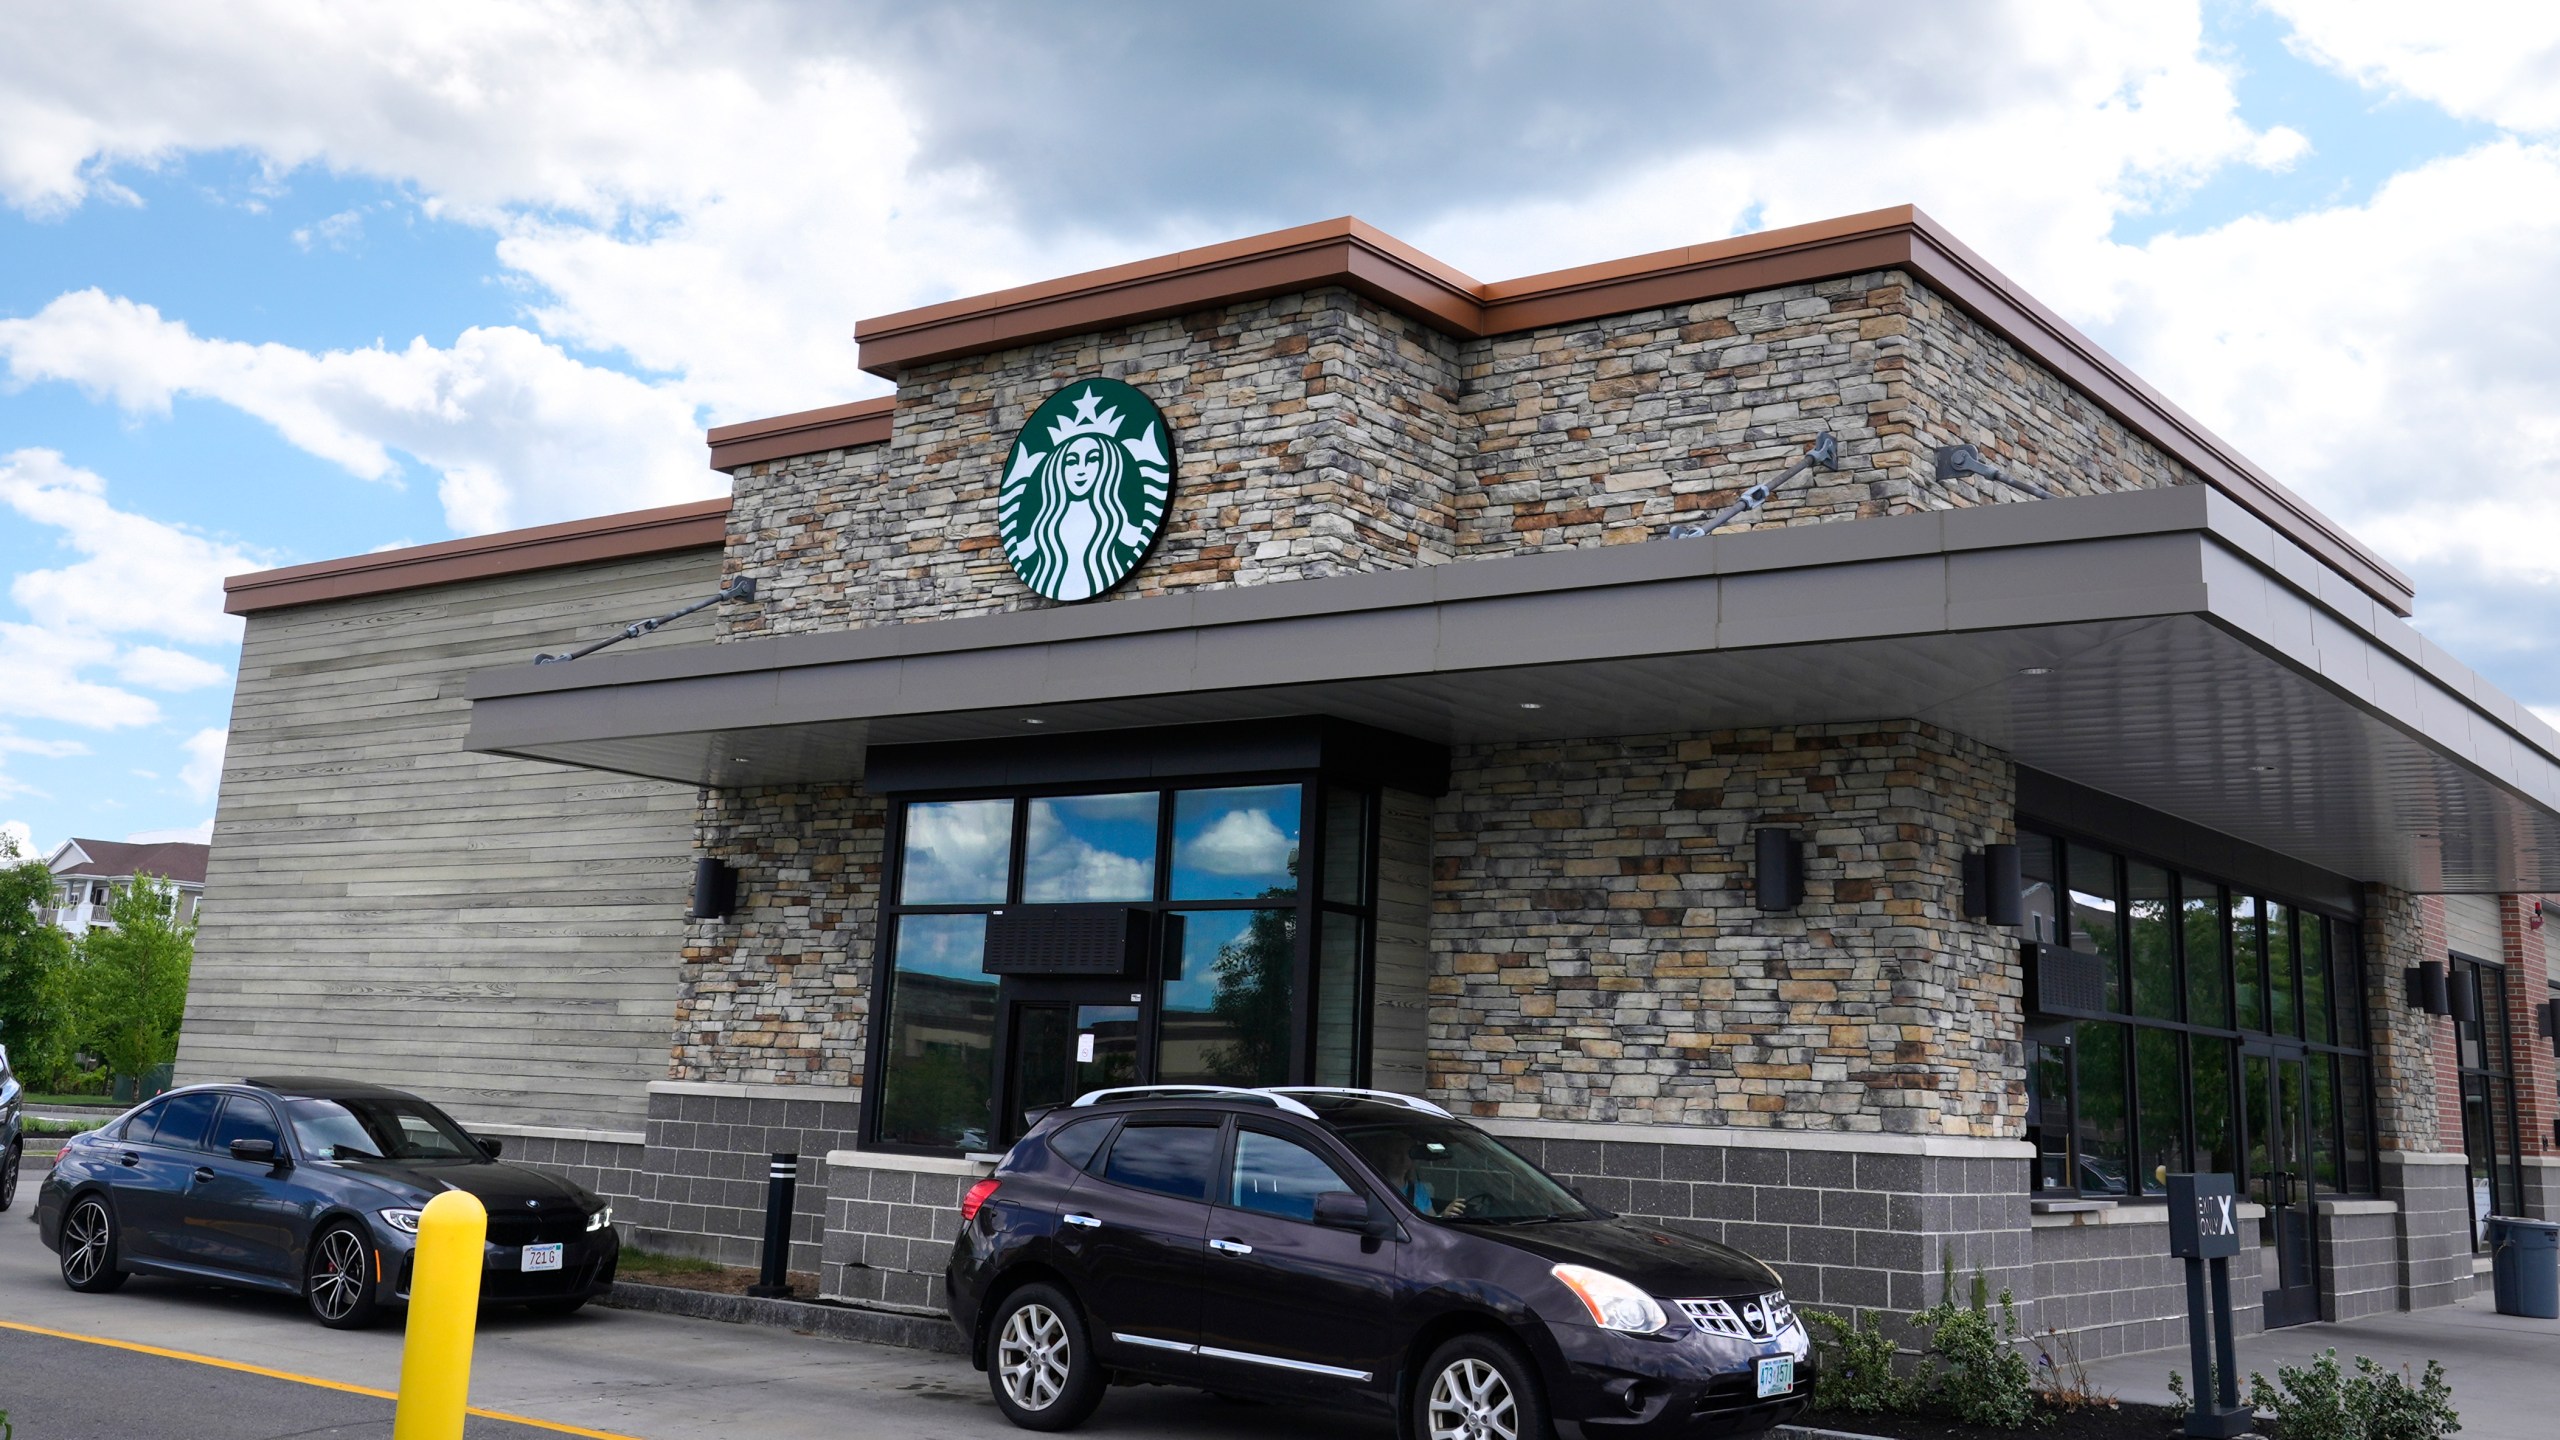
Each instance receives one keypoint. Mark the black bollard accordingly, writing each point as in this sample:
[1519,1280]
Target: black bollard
[782,1183]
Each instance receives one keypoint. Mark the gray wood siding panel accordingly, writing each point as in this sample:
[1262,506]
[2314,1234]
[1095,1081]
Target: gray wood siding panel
[1400,1028]
[2471,925]
[499,935]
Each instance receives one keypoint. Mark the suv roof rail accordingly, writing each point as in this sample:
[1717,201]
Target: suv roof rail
[1410,1102]
[1205,1092]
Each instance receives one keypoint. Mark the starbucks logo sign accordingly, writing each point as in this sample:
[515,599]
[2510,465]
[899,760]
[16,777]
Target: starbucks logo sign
[1084,494]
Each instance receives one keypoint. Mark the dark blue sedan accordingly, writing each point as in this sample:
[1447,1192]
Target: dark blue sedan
[310,1188]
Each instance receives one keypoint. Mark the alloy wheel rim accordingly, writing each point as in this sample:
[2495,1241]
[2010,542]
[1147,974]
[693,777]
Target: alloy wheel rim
[337,1282]
[1471,1401]
[87,1233]
[1031,1357]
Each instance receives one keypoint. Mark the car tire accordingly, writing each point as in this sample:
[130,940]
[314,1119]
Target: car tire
[1040,1362]
[10,1164]
[91,1245]
[337,1279]
[1483,1387]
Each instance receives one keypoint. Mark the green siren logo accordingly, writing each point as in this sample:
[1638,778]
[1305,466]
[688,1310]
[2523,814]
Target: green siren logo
[1085,492]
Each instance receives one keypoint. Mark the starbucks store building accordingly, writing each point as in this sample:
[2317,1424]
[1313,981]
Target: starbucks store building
[1787,733]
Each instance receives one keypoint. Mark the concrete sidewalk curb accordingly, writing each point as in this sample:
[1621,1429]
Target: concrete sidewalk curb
[835,1322]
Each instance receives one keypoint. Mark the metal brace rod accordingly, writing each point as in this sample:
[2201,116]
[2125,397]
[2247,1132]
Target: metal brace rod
[1955,460]
[741,588]
[1825,453]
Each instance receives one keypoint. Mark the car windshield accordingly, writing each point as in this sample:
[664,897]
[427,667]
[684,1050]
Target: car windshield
[378,1127]
[1452,1171]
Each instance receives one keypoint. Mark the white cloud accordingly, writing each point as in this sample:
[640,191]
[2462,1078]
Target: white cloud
[200,833]
[12,743]
[1240,842]
[156,668]
[520,432]
[2491,62]
[202,774]
[2399,363]
[46,680]
[17,841]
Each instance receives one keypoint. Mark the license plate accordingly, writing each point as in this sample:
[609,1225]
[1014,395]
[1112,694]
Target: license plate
[1777,1375]
[547,1257]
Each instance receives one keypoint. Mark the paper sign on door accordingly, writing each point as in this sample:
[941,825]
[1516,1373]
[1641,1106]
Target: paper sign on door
[1084,1048]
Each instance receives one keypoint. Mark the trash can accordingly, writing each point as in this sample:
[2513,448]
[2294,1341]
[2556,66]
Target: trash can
[2524,1257]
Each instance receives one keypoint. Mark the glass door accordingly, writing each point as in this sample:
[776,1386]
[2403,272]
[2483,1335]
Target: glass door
[1063,1039]
[2275,1097]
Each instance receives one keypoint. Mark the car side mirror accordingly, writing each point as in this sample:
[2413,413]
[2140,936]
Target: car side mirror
[1342,1210]
[255,1152]
[488,1146]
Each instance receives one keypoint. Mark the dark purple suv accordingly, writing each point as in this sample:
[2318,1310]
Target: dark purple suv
[1352,1248]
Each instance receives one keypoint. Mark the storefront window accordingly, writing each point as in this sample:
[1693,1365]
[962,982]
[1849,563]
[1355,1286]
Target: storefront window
[2160,1078]
[2488,1097]
[2208,961]
[1238,844]
[1227,1001]
[942,1034]
[2248,962]
[1090,847]
[2131,1101]
[1231,971]
[2155,964]
[2040,896]
[2101,1111]
[957,853]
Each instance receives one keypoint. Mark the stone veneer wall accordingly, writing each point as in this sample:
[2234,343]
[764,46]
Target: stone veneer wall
[1603,432]
[1314,435]
[778,992]
[1598,956]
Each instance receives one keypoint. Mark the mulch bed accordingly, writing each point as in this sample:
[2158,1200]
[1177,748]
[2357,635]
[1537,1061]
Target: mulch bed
[729,1280]
[2125,1422]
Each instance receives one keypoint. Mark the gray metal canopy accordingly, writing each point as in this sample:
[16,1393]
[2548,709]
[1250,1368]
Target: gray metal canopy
[2163,646]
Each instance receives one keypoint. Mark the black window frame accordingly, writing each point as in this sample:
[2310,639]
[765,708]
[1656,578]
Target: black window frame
[2496,1078]
[1308,909]
[2342,945]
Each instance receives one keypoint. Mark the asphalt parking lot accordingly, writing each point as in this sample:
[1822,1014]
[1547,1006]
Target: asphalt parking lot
[600,1373]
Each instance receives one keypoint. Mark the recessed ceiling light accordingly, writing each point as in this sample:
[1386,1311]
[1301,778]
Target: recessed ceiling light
[1035,722]
[2037,670]
[1531,705]
[2262,769]
[740,760]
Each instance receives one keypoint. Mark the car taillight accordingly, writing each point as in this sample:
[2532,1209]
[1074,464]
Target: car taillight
[976,1197]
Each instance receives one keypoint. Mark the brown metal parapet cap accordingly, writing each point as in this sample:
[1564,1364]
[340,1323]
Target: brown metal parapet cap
[695,525]
[804,432]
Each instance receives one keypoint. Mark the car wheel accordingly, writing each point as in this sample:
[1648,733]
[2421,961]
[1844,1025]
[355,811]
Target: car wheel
[339,1284]
[1478,1387]
[9,1164]
[1039,1364]
[89,1247]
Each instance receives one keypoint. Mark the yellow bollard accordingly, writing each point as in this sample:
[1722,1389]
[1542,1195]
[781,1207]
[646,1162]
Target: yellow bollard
[444,1311]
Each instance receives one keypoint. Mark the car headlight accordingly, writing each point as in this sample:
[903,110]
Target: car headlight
[1614,1304]
[404,1221]
[601,1220]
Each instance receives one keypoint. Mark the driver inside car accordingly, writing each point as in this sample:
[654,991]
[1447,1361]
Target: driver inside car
[1393,1158]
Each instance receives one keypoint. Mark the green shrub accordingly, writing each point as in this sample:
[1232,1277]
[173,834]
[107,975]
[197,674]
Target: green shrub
[1975,1373]
[1857,1374]
[2320,1402]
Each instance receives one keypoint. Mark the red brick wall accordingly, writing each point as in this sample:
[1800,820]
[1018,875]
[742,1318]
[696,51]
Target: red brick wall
[2528,990]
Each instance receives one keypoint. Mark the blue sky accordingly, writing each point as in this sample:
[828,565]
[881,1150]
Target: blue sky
[323,279]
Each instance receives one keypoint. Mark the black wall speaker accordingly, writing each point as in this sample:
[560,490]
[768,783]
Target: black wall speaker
[1994,886]
[1777,871]
[2428,988]
[2462,996]
[715,889]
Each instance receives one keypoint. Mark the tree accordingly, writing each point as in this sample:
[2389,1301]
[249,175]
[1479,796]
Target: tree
[132,979]
[35,969]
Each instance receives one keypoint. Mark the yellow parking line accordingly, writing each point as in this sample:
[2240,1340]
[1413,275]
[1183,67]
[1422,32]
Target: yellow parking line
[287,1375]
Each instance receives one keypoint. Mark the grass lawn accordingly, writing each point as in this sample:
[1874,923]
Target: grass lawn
[35,1099]
[36,1126]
